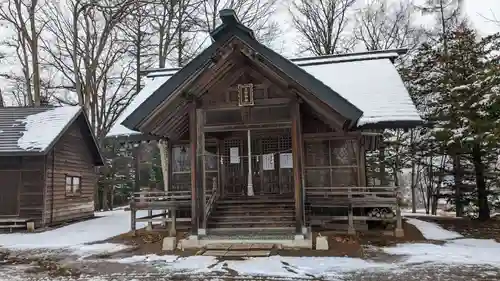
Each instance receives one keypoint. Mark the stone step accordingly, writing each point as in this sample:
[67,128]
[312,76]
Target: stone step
[250,224]
[254,201]
[251,212]
[217,218]
[240,206]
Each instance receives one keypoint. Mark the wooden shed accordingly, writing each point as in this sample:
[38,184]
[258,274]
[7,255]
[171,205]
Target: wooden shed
[48,159]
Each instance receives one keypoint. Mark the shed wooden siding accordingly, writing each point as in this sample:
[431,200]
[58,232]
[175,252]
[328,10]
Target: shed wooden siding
[23,178]
[73,158]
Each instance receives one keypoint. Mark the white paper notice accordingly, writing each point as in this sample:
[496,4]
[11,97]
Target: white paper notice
[286,161]
[268,162]
[234,155]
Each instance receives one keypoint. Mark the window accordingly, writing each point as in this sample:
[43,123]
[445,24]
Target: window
[73,185]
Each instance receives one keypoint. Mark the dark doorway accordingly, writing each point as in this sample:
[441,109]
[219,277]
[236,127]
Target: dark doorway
[9,195]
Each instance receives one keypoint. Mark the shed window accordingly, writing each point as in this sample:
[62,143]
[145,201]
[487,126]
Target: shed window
[73,185]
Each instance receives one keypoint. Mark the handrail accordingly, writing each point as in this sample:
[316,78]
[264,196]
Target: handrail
[350,191]
[210,203]
[150,196]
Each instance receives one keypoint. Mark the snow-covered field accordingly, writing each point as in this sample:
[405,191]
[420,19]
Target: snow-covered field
[75,238]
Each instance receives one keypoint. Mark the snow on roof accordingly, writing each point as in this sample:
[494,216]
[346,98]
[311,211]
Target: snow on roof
[368,80]
[346,58]
[41,129]
[374,86]
[152,84]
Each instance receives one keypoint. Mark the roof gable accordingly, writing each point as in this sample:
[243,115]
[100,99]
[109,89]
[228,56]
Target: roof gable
[231,27]
[35,130]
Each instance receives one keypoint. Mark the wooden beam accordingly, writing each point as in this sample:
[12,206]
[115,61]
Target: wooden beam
[193,144]
[258,103]
[200,168]
[245,127]
[297,169]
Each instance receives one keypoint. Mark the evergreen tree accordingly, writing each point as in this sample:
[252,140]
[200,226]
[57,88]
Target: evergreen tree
[458,92]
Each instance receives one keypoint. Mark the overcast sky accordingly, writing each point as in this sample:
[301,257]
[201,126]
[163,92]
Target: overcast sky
[476,10]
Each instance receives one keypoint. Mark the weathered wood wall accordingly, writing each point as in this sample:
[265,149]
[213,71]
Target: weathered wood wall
[70,157]
[22,182]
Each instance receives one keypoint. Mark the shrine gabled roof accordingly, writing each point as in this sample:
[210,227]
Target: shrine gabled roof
[231,27]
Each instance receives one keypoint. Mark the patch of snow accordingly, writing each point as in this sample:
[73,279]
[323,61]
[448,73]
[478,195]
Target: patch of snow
[152,84]
[421,213]
[76,237]
[94,249]
[319,267]
[374,86]
[145,259]
[460,251]
[433,231]
[192,264]
[42,128]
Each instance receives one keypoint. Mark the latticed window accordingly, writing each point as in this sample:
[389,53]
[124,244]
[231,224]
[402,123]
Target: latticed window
[331,163]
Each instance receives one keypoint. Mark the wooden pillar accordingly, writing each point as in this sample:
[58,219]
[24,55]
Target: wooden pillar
[193,150]
[200,170]
[137,166]
[350,214]
[297,167]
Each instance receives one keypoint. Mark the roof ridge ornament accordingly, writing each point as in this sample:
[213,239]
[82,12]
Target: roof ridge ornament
[229,17]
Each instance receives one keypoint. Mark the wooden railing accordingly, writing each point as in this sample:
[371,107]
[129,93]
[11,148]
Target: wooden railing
[211,198]
[367,198]
[166,201]
[356,196]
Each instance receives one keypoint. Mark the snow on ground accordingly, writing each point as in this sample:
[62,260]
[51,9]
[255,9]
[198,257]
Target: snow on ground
[75,237]
[433,231]
[460,251]
[456,250]
[422,213]
[276,266]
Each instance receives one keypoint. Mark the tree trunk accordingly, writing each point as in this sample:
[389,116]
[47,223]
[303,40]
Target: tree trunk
[34,57]
[105,193]
[381,159]
[413,184]
[459,212]
[482,193]
[112,197]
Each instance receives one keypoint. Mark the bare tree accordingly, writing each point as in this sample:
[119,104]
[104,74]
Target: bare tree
[447,14]
[382,25]
[322,24]
[171,20]
[23,17]
[88,49]
[256,14]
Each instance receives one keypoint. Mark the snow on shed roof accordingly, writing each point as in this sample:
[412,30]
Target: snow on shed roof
[33,129]
[372,85]
[368,80]
[154,80]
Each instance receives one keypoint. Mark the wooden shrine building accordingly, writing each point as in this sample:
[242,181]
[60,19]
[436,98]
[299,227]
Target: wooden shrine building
[258,141]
